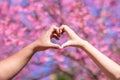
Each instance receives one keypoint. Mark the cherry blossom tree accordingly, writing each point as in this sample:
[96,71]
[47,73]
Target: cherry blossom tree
[23,21]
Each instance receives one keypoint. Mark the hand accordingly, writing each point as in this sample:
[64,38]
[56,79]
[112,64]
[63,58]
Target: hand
[44,42]
[74,39]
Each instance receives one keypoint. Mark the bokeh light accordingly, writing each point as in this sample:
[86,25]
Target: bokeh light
[23,21]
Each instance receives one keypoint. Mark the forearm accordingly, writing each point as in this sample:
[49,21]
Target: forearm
[109,67]
[12,65]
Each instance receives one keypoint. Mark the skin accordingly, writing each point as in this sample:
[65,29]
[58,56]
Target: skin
[11,66]
[14,64]
[108,66]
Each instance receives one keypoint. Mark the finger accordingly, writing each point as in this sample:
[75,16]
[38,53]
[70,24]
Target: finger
[68,43]
[61,31]
[55,29]
[56,33]
[68,30]
[55,36]
[55,46]
[52,29]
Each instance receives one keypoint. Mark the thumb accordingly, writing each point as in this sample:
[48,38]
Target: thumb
[55,46]
[66,44]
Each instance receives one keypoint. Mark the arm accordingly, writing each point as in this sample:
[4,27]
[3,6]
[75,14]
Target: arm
[108,66]
[14,64]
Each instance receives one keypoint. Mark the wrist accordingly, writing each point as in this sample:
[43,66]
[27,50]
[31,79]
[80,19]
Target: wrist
[34,46]
[83,43]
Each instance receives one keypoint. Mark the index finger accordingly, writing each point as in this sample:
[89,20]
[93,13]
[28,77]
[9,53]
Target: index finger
[69,31]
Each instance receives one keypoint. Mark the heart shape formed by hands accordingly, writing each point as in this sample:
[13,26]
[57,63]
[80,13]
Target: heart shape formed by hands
[74,39]
[44,42]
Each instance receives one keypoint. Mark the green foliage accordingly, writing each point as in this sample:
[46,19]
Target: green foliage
[63,77]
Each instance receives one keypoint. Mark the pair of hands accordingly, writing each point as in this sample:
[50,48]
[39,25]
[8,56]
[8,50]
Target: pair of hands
[44,42]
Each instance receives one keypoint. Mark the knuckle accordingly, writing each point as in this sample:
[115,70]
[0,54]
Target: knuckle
[54,27]
[64,26]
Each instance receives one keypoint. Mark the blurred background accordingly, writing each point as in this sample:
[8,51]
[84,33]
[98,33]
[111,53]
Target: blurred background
[97,21]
